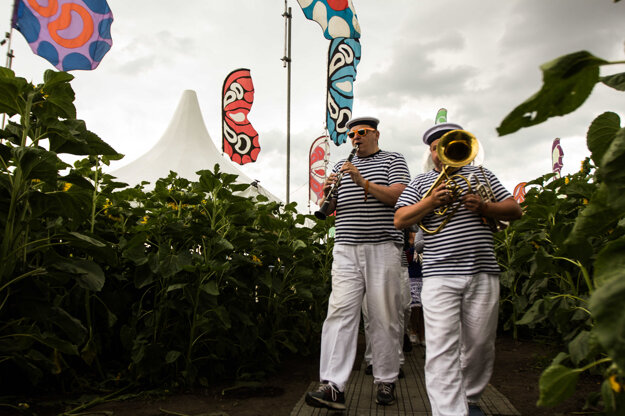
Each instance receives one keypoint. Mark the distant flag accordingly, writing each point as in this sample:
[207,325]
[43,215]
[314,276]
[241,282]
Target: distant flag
[71,34]
[519,192]
[337,18]
[317,162]
[240,140]
[441,116]
[556,156]
[343,57]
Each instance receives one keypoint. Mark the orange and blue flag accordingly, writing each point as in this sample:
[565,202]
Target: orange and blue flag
[71,34]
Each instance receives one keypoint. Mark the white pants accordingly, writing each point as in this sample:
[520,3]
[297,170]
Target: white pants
[404,317]
[460,315]
[376,269]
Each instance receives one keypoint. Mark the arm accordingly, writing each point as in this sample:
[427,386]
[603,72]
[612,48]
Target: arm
[413,214]
[388,195]
[506,210]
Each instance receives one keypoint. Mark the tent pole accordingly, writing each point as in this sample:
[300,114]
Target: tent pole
[287,62]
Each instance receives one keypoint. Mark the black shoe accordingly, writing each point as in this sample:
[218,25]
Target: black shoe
[474,410]
[407,347]
[401,373]
[327,395]
[369,370]
[386,394]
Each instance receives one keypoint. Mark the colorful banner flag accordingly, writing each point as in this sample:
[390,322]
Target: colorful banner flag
[441,116]
[318,162]
[71,34]
[337,18]
[556,156]
[343,57]
[240,140]
[519,192]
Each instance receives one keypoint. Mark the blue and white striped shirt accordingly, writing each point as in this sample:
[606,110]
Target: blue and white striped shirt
[465,245]
[359,221]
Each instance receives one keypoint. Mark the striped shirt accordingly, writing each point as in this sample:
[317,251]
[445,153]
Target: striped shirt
[359,221]
[465,244]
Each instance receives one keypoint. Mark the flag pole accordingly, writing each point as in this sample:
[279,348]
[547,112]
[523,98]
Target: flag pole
[7,39]
[287,63]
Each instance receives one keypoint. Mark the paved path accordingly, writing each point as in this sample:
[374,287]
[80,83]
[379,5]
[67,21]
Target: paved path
[410,391]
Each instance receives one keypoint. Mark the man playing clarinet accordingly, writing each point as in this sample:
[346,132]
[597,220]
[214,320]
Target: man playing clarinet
[366,258]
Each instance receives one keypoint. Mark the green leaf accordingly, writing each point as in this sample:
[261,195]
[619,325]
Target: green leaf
[616,81]
[211,288]
[87,273]
[556,384]
[567,83]
[610,262]
[534,314]
[579,347]
[36,163]
[607,304]
[601,133]
[172,356]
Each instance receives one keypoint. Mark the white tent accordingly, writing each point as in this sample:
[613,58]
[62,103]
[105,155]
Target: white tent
[185,148]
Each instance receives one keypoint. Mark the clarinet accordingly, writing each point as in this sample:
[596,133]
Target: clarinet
[325,207]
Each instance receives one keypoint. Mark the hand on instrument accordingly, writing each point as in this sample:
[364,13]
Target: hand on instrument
[354,173]
[473,202]
[441,195]
[329,182]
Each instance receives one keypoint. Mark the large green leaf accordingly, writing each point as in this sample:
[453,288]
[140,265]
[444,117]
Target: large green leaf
[601,133]
[10,88]
[36,163]
[567,83]
[88,274]
[610,262]
[607,305]
[556,384]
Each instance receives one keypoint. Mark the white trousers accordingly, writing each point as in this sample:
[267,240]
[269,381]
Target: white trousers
[404,317]
[356,269]
[460,314]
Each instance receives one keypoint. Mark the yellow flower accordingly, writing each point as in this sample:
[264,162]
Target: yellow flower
[66,186]
[172,205]
[585,201]
[535,244]
[256,260]
[24,405]
[566,180]
[616,386]
[144,219]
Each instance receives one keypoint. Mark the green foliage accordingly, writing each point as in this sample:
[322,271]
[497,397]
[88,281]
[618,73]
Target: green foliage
[109,287]
[564,267]
[567,83]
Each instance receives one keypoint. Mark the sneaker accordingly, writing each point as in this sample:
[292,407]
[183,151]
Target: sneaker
[474,410]
[327,395]
[386,394]
[369,370]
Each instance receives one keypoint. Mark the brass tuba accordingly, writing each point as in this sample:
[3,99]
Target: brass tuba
[455,149]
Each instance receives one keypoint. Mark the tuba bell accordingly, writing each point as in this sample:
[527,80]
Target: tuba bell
[455,149]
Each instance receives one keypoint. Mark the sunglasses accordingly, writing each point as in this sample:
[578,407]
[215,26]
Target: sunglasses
[360,132]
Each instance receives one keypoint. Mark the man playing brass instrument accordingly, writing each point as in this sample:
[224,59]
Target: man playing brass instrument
[366,258]
[460,293]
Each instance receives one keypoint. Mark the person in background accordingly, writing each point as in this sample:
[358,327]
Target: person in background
[414,321]
[460,292]
[366,258]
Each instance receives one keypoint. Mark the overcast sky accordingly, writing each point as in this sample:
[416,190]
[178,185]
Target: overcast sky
[477,58]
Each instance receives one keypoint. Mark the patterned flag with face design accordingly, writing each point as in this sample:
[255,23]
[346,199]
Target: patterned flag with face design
[240,139]
[337,18]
